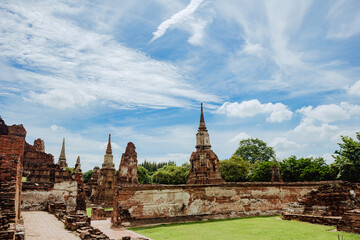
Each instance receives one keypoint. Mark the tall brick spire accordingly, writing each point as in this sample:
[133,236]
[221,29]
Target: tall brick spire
[62,153]
[202,126]
[108,157]
[62,158]
[108,149]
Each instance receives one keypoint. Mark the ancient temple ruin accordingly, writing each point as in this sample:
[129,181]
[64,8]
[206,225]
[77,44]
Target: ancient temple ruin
[204,164]
[128,166]
[107,178]
[62,158]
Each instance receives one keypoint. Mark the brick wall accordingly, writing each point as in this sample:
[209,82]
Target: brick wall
[11,156]
[152,204]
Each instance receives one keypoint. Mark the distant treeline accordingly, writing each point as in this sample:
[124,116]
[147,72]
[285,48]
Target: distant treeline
[154,166]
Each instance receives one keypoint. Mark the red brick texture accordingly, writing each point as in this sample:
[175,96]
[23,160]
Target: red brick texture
[11,156]
[155,204]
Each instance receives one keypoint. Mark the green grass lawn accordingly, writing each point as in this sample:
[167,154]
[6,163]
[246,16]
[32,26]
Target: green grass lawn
[263,228]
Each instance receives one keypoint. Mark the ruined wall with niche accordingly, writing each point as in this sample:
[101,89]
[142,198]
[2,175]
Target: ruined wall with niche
[65,192]
[153,204]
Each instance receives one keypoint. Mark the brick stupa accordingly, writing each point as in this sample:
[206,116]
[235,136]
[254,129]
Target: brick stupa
[62,159]
[107,178]
[128,166]
[204,164]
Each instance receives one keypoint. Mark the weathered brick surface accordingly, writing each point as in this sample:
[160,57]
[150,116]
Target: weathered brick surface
[350,221]
[11,156]
[104,193]
[330,204]
[204,163]
[99,213]
[152,204]
[38,166]
[128,166]
[336,198]
[275,174]
[92,184]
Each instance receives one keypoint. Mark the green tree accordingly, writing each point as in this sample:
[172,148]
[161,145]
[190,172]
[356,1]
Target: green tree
[143,175]
[293,169]
[154,166]
[87,175]
[254,150]
[172,174]
[261,172]
[347,159]
[234,169]
[70,170]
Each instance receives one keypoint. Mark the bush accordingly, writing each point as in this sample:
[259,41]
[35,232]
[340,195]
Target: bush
[143,175]
[172,174]
[306,169]
[261,172]
[234,169]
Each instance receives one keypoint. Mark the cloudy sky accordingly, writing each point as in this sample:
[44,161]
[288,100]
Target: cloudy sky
[286,72]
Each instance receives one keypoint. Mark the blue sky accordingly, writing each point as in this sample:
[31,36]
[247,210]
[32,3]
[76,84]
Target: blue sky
[286,72]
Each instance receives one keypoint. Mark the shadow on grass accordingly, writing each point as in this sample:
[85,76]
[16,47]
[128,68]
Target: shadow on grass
[198,222]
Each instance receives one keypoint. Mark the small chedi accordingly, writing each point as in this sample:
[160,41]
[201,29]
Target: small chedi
[92,184]
[62,159]
[128,166]
[107,178]
[275,174]
[80,198]
[204,164]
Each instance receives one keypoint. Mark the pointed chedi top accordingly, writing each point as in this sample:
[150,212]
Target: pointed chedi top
[202,126]
[108,149]
[62,159]
[62,153]
[77,168]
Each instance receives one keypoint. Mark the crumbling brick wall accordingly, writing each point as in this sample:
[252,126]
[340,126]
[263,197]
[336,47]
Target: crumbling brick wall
[151,204]
[327,205]
[12,144]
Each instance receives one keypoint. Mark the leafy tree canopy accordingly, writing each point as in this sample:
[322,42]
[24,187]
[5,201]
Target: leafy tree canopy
[295,169]
[234,169]
[347,159]
[261,171]
[87,175]
[154,166]
[143,175]
[172,174]
[254,150]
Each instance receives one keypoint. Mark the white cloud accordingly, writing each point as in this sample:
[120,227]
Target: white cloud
[253,49]
[278,111]
[283,144]
[198,32]
[330,113]
[323,131]
[176,19]
[57,128]
[328,158]
[239,137]
[178,158]
[61,65]
[344,19]
[354,89]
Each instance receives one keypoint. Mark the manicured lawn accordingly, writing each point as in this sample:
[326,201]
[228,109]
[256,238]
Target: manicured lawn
[263,228]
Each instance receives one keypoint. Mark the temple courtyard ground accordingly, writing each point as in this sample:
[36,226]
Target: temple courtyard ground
[264,228]
[45,226]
